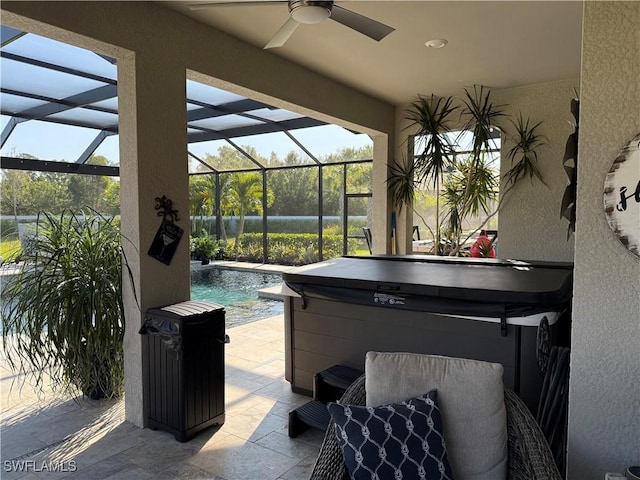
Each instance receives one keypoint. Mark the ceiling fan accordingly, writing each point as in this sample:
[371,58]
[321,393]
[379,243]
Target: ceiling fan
[311,12]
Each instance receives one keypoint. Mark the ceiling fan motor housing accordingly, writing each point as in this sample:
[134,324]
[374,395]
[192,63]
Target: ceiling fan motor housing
[310,11]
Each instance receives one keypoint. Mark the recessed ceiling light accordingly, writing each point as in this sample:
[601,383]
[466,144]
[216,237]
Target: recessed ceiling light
[436,43]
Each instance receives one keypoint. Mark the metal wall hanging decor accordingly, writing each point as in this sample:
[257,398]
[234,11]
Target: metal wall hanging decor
[166,241]
[570,165]
[622,196]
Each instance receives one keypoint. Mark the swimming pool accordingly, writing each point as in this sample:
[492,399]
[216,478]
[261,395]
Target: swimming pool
[237,291]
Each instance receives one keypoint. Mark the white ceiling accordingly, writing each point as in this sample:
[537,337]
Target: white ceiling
[496,44]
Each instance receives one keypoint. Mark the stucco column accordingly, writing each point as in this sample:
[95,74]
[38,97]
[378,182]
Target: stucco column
[381,222]
[153,163]
[604,391]
[403,149]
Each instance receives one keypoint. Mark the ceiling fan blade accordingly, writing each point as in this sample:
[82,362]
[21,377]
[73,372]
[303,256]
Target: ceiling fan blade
[236,3]
[365,25]
[283,34]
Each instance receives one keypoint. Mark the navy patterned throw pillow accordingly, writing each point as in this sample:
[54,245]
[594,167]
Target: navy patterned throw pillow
[393,442]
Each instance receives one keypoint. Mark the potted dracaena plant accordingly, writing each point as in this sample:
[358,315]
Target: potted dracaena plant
[431,118]
[469,186]
[63,316]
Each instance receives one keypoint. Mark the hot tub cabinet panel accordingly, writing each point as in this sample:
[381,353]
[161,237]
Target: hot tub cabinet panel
[329,322]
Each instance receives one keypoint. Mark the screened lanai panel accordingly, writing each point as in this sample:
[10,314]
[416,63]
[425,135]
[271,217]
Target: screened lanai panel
[94,117]
[110,149]
[274,114]
[210,95]
[333,205]
[16,103]
[332,198]
[55,142]
[225,122]
[331,143]
[293,209]
[359,177]
[240,204]
[33,79]
[360,214]
[359,206]
[220,155]
[62,54]
[274,150]
[197,167]
[110,103]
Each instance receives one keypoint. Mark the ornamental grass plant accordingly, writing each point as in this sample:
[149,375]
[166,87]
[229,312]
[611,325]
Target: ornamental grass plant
[62,313]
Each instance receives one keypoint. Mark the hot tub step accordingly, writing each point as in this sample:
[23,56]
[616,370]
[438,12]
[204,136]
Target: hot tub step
[330,384]
[312,414]
[340,376]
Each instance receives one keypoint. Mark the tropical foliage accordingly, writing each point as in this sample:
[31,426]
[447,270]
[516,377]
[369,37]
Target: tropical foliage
[482,117]
[292,248]
[465,186]
[27,193]
[523,155]
[244,192]
[62,316]
[431,119]
[204,247]
[463,199]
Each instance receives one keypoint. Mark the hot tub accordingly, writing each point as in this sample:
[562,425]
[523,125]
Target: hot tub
[485,309]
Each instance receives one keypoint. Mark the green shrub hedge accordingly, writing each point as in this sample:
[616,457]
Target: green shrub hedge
[291,248]
[278,225]
[203,247]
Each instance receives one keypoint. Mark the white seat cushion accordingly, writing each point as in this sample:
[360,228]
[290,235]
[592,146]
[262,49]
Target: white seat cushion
[471,399]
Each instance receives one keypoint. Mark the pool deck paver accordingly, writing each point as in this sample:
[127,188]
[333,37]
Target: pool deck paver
[234,265]
[93,439]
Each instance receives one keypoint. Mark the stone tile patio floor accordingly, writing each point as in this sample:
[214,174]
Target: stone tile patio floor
[91,440]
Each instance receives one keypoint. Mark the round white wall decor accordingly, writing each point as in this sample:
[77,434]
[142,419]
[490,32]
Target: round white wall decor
[622,196]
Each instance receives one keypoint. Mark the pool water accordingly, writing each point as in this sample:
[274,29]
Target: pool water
[237,291]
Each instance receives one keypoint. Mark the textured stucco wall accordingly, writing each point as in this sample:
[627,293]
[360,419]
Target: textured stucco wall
[529,220]
[604,401]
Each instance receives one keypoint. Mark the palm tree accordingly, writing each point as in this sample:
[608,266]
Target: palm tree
[201,198]
[243,194]
[482,117]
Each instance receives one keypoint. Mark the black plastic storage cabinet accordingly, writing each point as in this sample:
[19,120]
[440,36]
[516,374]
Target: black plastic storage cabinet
[184,367]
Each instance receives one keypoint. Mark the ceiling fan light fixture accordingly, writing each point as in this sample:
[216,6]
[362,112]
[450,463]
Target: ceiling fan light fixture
[310,13]
[436,43]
